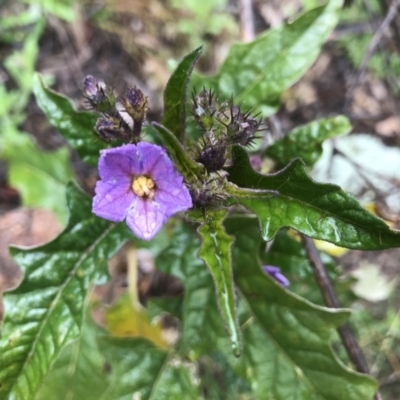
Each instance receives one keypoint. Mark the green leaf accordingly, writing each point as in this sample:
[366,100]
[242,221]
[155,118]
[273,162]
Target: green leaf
[76,127]
[143,370]
[45,312]
[216,253]
[287,353]
[40,177]
[187,167]
[321,211]
[256,73]
[201,320]
[78,372]
[306,141]
[175,95]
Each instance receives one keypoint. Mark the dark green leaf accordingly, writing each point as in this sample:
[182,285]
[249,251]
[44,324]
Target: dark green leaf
[256,73]
[321,211]
[79,372]
[45,312]
[216,253]
[175,95]
[76,127]
[141,369]
[306,141]
[287,353]
[201,321]
[187,167]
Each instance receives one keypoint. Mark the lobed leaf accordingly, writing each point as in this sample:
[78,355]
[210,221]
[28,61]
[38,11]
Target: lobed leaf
[321,211]
[76,127]
[45,312]
[306,141]
[175,95]
[258,72]
[286,353]
[215,251]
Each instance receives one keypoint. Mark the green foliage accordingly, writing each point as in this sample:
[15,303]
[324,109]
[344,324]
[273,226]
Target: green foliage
[201,322]
[258,72]
[48,348]
[140,367]
[283,335]
[61,9]
[306,141]
[216,253]
[21,63]
[45,312]
[321,211]
[40,177]
[175,95]
[186,166]
[287,354]
[78,372]
[208,17]
[76,127]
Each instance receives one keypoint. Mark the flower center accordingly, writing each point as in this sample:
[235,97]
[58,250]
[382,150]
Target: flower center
[143,186]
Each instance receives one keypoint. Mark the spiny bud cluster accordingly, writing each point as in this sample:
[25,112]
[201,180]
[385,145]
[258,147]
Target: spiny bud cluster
[211,191]
[223,125]
[121,118]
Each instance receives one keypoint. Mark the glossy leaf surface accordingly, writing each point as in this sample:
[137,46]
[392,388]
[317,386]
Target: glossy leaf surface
[215,250]
[45,312]
[321,211]
[286,352]
[175,95]
[306,141]
[78,372]
[76,127]
[201,320]
[141,369]
[256,73]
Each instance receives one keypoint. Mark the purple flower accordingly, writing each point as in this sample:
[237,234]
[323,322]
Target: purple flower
[275,273]
[139,183]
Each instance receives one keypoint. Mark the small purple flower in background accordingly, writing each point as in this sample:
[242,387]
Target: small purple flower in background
[275,273]
[139,183]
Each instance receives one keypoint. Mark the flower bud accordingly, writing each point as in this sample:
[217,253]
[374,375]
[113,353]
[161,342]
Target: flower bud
[136,104]
[109,129]
[242,128]
[99,96]
[213,157]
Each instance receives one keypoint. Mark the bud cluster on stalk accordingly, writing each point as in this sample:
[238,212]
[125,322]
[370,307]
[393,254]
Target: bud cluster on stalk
[121,118]
[223,125]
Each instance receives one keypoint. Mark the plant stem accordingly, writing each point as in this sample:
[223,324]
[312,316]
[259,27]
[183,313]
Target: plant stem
[346,334]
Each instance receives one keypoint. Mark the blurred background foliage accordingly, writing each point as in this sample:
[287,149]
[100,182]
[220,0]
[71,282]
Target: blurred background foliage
[139,42]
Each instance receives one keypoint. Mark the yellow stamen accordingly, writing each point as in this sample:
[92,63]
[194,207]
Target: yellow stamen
[143,186]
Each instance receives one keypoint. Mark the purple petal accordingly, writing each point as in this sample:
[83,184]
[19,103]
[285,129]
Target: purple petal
[174,199]
[155,161]
[146,218]
[118,163]
[276,274]
[112,200]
